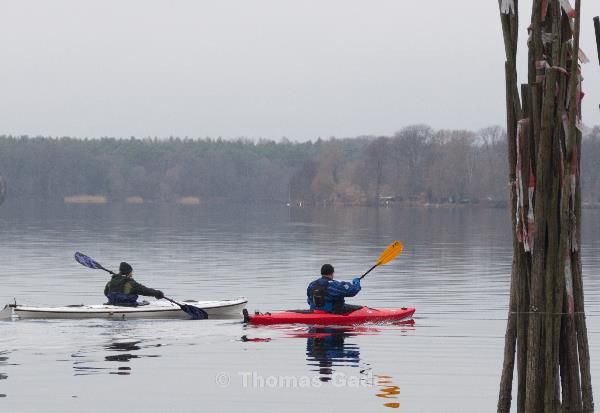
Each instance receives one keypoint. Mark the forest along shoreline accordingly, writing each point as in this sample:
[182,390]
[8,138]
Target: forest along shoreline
[416,167]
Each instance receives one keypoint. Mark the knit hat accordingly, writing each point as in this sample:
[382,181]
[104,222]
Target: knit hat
[327,269]
[125,268]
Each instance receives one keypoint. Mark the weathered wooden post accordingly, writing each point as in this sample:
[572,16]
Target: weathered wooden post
[597,30]
[546,326]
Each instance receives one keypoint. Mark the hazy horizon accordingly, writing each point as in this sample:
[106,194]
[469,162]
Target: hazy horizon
[261,69]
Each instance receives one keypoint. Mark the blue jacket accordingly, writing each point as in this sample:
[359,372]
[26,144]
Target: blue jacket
[333,292]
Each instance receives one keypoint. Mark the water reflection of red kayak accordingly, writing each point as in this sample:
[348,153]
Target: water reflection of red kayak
[362,315]
[323,332]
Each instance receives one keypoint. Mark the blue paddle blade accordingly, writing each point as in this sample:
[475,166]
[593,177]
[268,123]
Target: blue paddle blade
[87,261]
[195,313]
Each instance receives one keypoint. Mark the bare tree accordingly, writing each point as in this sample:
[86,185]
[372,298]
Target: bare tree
[493,169]
[377,156]
[411,154]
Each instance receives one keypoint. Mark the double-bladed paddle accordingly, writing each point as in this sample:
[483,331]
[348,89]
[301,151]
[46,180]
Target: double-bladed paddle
[195,313]
[386,256]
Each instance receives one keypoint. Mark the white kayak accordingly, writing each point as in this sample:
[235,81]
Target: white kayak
[155,309]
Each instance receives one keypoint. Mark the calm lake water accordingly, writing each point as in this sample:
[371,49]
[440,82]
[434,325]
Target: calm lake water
[454,269]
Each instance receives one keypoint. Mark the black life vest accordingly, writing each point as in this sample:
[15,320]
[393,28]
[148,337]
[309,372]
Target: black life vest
[317,291]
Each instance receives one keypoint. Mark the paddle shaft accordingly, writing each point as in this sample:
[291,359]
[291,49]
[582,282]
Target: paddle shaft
[370,269]
[386,256]
[195,313]
[173,301]
[108,271]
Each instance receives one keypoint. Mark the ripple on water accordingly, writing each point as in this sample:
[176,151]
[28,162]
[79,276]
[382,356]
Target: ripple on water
[455,269]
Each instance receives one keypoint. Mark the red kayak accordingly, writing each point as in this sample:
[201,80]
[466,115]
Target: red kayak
[362,315]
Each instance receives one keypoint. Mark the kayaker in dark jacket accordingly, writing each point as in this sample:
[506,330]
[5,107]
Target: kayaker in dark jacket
[123,290]
[328,294]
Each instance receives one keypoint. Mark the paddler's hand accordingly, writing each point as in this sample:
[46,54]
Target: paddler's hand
[159,295]
[356,281]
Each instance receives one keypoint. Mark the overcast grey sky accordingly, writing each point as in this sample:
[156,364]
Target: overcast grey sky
[258,68]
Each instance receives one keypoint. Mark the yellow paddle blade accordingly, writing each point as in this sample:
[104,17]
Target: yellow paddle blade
[390,252]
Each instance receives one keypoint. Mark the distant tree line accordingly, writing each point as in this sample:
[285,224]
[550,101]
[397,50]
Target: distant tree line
[417,165]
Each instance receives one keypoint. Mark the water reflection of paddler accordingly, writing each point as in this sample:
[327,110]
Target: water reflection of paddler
[124,352]
[123,348]
[120,351]
[326,349]
[3,362]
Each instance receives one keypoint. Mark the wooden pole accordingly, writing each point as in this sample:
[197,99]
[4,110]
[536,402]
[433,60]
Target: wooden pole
[513,114]
[546,323]
[597,30]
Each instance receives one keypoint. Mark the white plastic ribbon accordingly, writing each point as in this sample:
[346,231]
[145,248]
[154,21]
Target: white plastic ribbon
[583,57]
[540,70]
[521,223]
[547,38]
[566,5]
[507,7]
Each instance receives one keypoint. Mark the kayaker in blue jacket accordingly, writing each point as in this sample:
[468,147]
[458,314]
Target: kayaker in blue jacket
[328,294]
[123,290]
